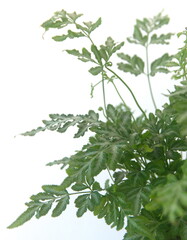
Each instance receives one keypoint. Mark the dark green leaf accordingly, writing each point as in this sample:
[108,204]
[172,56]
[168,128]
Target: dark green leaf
[96,186]
[95,198]
[61,206]
[81,211]
[41,196]
[79,187]
[44,209]
[54,189]
[139,225]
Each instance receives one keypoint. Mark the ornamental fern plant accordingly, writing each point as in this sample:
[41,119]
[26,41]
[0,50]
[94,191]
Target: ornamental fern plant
[144,156]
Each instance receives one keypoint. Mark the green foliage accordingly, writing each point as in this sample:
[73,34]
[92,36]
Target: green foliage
[61,123]
[178,98]
[143,156]
[135,64]
[144,35]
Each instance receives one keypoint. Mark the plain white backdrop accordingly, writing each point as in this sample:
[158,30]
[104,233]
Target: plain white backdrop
[37,78]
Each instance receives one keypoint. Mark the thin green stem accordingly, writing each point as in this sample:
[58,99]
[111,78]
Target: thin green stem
[120,95]
[110,70]
[122,99]
[148,76]
[104,96]
[110,174]
[90,39]
[84,192]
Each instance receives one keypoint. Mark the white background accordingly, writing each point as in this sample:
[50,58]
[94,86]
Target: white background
[37,78]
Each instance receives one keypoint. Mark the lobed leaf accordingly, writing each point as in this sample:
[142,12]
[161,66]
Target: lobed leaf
[61,123]
[64,161]
[162,39]
[134,65]
[159,65]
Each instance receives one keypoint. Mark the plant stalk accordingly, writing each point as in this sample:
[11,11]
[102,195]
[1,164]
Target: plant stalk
[104,96]
[110,70]
[148,77]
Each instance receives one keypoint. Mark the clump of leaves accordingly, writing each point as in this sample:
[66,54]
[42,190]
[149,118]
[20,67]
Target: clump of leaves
[144,156]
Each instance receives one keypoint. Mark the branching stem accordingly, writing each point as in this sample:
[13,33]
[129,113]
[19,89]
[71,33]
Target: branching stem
[110,70]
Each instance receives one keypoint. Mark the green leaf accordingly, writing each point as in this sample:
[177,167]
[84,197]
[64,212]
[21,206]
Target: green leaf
[61,123]
[143,24]
[135,64]
[100,207]
[74,16]
[160,21]
[136,194]
[96,24]
[64,161]
[117,47]
[41,196]
[24,217]
[138,35]
[79,187]
[162,39]
[82,203]
[96,54]
[74,52]
[120,223]
[81,211]
[60,38]
[86,53]
[95,198]
[58,20]
[111,112]
[96,186]
[95,70]
[72,34]
[34,131]
[183,231]
[61,206]
[139,225]
[159,65]
[119,176]
[44,209]
[148,25]
[109,48]
[104,54]
[54,189]
[172,197]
